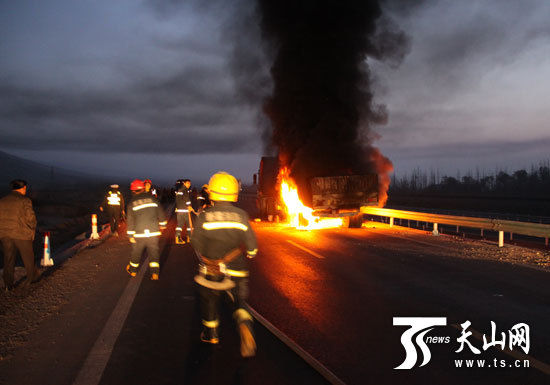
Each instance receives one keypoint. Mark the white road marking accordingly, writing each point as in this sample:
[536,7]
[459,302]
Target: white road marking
[316,255]
[323,370]
[533,362]
[92,370]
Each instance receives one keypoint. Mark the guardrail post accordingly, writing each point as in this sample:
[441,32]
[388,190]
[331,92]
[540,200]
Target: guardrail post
[457,229]
[500,238]
[435,232]
[391,222]
[511,236]
[46,259]
[94,235]
[546,241]
[481,233]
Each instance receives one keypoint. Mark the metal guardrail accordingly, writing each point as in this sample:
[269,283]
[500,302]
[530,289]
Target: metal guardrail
[477,214]
[500,225]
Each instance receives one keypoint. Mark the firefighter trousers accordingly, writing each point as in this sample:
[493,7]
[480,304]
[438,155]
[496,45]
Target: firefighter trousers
[183,223]
[151,246]
[210,303]
[11,247]
[115,216]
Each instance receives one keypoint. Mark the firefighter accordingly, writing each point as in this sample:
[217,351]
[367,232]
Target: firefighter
[149,188]
[145,222]
[184,209]
[224,241]
[113,204]
[204,198]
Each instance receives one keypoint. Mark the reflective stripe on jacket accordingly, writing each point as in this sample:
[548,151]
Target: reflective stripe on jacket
[222,228]
[144,216]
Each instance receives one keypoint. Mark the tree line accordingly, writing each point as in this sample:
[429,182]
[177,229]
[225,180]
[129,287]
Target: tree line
[534,182]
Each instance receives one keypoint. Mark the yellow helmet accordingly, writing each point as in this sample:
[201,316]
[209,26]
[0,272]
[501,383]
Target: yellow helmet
[223,187]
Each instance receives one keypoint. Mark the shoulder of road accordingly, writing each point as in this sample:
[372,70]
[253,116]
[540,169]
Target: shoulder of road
[56,322]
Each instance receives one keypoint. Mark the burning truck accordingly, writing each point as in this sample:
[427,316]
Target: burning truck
[328,201]
[320,108]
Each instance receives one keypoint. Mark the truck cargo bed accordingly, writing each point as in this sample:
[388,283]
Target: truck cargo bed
[344,192]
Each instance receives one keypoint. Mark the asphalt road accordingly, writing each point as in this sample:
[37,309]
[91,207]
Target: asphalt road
[158,339]
[335,292]
[159,343]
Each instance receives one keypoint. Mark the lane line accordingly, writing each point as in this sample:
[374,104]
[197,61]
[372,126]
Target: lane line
[316,255]
[319,367]
[533,362]
[92,370]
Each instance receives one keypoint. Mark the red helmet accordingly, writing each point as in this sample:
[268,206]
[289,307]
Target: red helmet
[137,185]
[147,181]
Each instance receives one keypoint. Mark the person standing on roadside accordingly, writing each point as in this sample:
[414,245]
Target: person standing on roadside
[113,204]
[17,231]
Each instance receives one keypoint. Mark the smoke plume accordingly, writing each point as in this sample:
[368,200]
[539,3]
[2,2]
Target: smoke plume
[322,107]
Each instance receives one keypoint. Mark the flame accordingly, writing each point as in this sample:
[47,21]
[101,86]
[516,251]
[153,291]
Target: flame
[384,167]
[299,215]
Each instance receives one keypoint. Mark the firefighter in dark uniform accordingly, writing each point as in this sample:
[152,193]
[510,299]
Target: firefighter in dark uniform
[145,222]
[184,209]
[203,198]
[149,188]
[224,241]
[113,205]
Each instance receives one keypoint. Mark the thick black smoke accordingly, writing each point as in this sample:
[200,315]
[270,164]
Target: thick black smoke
[321,108]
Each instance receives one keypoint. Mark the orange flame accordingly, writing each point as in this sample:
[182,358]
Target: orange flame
[384,167]
[299,215]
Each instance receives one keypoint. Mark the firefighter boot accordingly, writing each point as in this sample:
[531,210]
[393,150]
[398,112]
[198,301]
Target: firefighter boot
[131,270]
[248,344]
[179,240]
[188,240]
[210,335]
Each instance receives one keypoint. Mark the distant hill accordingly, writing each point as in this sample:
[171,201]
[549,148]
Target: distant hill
[43,177]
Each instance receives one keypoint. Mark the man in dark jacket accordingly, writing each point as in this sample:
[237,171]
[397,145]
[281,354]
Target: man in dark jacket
[225,241]
[113,205]
[145,222]
[17,229]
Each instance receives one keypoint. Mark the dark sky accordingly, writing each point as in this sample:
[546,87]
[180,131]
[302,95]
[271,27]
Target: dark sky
[155,88]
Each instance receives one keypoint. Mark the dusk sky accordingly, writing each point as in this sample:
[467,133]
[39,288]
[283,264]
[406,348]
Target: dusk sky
[158,88]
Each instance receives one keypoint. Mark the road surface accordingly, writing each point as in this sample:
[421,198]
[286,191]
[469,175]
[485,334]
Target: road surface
[334,292]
